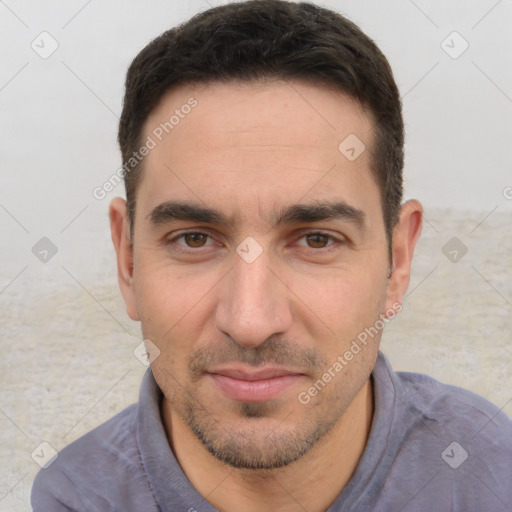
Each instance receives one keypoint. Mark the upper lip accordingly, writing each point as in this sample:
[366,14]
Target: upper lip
[250,373]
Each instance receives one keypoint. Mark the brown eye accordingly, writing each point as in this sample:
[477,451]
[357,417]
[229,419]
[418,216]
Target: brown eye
[317,240]
[195,239]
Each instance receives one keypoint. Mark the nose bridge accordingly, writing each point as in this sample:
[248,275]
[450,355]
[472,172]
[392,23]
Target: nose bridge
[251,285]
[253,305]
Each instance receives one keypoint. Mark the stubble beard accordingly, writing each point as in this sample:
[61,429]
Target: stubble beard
[259,440]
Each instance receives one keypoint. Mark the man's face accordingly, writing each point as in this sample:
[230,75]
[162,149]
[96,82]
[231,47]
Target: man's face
[259,255]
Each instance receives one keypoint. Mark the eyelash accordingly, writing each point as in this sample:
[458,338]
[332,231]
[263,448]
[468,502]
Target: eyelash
[335,241]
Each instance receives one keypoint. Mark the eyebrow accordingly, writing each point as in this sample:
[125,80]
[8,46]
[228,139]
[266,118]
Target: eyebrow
[170,210]
[308,213]
[320,211]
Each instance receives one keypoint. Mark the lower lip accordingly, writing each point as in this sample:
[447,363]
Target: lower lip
[254,390]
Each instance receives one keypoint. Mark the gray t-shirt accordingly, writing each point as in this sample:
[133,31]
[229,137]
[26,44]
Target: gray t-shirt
[432,447]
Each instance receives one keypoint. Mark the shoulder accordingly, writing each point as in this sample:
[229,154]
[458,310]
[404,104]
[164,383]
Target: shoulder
[78,479]
[455,442]
[454,407]
[427,416]
[427,400]
[434,446]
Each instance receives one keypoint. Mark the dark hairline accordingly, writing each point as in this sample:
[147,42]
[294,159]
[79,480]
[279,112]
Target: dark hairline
[261,40]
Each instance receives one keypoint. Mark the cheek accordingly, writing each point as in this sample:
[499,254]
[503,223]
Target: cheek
[342,303]
[172,316]
[173,308]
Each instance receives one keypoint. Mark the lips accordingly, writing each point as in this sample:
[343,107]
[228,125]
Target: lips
[251,385]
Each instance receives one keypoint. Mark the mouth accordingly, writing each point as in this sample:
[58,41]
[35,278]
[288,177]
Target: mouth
[246,384]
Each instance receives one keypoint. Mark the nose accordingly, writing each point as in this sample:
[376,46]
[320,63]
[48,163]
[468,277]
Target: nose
[253,304]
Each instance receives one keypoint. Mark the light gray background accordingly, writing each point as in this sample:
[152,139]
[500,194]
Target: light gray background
[67,345]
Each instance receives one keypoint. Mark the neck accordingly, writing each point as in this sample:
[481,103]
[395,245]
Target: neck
[311,483]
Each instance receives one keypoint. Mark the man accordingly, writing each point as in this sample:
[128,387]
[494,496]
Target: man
[264,246]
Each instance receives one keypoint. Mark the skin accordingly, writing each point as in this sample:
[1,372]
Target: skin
[251,151]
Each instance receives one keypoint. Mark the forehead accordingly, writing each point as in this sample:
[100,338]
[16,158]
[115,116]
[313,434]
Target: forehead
[257,145]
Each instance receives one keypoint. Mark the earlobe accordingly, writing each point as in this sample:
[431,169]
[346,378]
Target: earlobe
[405,236]
[120,231]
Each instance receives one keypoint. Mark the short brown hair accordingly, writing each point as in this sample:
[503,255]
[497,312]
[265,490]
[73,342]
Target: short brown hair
[270,39]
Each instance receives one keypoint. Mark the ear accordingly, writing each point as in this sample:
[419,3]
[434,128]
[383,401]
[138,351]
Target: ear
[405,235]
[120,230]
